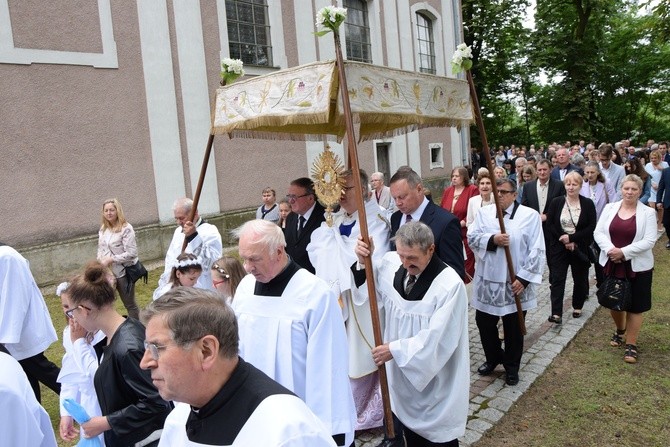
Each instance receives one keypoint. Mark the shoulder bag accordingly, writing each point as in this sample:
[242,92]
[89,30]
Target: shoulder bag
[135,272]
[615,293]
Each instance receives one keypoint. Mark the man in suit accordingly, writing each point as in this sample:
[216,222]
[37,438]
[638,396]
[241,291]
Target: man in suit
[408,193]
[539,193]
[663,185]
[306,216]
[563,165]
[428,362]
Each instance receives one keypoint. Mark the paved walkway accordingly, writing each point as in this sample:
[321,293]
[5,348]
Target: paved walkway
[490,397]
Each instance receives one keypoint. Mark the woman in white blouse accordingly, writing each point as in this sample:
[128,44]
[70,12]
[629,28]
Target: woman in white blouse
[117,248]
[626,234]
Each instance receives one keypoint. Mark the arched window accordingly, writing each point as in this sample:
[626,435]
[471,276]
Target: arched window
[425,43]
[357,31]
[249,31]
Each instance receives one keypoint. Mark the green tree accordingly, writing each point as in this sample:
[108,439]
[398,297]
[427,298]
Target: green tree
[494,31]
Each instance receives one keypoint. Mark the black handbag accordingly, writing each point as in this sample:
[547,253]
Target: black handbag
[615,293]
[135,272]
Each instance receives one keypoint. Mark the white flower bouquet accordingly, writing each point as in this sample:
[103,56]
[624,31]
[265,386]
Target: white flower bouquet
[231,69]
[330,18]
[462,59]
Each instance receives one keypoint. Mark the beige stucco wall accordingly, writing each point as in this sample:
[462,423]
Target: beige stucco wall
[73,135]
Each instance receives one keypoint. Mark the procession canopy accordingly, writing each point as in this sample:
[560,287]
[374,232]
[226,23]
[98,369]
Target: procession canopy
[302,103]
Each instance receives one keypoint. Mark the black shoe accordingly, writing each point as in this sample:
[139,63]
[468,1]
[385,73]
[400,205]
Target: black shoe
[512,379]
[556,319]
[486,368]
[398,441]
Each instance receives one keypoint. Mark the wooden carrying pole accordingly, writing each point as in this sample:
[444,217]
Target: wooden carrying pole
[362,221]
[201,180]
[494,191]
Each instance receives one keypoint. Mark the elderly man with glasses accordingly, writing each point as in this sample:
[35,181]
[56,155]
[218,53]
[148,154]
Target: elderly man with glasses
[493,292]
[306,216]
[192,352]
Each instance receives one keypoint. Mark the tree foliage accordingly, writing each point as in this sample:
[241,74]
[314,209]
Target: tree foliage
[591,69]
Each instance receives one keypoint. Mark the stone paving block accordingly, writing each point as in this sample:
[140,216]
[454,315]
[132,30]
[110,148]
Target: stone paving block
[491,414]
[553,347]
[537,369]
[479,425]
[500,403]
[539,360]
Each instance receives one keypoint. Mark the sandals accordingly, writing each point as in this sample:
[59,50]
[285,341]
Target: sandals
[631,354]
[617,338]
[576,313]
[557,319]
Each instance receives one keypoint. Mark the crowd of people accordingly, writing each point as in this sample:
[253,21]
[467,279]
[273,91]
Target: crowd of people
[277,346]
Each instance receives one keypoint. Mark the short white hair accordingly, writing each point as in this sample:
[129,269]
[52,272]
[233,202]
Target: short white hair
[267,233]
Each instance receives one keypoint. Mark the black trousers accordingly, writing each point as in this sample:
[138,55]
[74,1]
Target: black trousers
[38,368]
[562,259]
[510,357]
[414,440]
[666,221]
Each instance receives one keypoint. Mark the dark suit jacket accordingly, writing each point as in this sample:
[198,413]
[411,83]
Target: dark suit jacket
[556,172]
[296,247]
[447,231]
[531,200]
[586,224]
[664,187]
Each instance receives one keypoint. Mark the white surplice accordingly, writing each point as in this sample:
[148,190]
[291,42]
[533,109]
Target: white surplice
[492,290]
[298,339]
[25,325]
[332,256]
[23,421]
[281,420]
[429,375]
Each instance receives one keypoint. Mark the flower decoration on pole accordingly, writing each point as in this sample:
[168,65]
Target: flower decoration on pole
[231,69]
[330,18]
[462,59]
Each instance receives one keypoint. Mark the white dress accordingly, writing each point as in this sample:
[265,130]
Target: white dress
[298,339]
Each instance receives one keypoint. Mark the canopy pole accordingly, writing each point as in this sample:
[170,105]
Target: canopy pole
[201,180]
[494,191]
[362,220]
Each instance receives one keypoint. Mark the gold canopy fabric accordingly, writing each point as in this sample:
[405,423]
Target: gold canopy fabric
[303,103]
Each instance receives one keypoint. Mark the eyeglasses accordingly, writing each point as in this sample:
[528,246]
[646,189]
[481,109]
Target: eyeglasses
[154,349]
[503,191]
[292,197]
[70,312]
